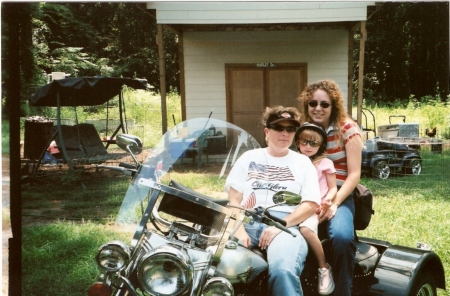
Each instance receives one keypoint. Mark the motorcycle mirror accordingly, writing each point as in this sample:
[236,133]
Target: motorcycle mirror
[287,197]
[130,143]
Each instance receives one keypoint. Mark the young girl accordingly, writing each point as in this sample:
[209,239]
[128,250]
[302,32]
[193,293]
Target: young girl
[311,140]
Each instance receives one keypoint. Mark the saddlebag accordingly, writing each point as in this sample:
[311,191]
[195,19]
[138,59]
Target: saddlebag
[363,199]
[365,259]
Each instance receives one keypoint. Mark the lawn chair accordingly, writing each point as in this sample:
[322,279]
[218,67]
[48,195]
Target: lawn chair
[197,150]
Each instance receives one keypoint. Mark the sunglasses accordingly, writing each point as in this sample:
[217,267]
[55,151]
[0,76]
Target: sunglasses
[304,142]
[322,104]
[280,128]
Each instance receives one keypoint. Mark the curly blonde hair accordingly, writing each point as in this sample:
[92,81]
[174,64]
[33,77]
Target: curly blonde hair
[338,114]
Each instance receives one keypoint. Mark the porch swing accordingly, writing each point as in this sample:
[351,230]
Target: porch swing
[81,143]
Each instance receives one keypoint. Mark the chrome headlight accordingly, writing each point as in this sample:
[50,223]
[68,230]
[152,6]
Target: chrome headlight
[218,286]
[165,271]
[113,256]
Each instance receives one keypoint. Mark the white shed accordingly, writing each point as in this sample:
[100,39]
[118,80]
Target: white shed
[239,57]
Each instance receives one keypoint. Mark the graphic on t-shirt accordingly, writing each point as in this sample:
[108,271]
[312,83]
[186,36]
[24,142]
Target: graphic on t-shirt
[249,202]
[269,172]
[265,178]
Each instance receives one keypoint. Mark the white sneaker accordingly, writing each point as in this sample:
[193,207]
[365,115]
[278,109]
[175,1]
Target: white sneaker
[326,283]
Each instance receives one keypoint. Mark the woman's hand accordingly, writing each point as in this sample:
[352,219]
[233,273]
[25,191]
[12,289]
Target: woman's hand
[243,238]
[328,214]
[267,236]
[235,198]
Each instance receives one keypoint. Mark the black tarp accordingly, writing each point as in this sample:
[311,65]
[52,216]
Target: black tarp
[83,91]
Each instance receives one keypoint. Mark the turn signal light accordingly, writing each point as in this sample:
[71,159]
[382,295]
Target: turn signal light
[99,289]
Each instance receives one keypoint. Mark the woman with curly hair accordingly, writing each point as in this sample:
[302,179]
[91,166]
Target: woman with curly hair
[322,103]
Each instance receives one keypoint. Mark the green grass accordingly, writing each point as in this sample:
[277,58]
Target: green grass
[412,209]
[408,209]
[58,257]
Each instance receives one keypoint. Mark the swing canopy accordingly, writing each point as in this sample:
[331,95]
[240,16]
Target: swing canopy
[83,91]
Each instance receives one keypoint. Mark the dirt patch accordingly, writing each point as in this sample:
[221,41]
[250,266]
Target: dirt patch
[58,193]
[6,223]
[79,196]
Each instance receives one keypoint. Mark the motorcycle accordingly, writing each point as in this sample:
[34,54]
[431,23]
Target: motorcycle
[183,238]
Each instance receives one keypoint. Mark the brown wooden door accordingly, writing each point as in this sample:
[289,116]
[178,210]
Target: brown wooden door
[250,88]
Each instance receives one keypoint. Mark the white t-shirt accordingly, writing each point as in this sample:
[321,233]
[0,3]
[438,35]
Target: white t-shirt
[258,176]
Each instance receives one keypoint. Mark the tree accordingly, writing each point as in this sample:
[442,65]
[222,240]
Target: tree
[407,52]
[111,38]
[26,62]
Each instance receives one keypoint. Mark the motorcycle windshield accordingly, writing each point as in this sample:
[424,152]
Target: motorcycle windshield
[197,153]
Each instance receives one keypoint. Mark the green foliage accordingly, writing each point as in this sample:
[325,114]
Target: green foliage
[103,38]
[428,112]
[73,61]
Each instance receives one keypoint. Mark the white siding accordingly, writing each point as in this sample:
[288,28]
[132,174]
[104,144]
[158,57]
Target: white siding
[258,12]
[206,53]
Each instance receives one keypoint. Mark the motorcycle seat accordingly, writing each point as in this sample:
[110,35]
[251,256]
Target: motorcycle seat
[366,257]
[179,186]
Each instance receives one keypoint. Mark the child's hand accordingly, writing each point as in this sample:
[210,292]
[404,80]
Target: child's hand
[319,210]
[326,204]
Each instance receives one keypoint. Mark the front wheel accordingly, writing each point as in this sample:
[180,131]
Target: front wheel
[424,285]
[381,170]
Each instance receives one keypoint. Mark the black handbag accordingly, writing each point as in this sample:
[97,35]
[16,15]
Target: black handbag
[363,199]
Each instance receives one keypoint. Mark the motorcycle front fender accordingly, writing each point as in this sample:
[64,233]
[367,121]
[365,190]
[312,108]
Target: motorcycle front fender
[399,268]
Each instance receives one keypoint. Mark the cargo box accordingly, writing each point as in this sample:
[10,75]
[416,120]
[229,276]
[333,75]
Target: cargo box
[398,130]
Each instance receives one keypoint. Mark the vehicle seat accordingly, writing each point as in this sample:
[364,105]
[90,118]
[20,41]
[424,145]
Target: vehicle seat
[366,258]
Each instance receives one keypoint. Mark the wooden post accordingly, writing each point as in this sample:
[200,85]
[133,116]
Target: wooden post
[60,134]
[362,41]
[182,77]
[162,78]
[350,72]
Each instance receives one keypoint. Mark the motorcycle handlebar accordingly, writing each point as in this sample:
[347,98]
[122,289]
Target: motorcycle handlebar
[270,222]
[266,218]
[276,219]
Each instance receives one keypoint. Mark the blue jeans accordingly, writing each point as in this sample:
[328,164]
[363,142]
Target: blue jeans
[341,255]
[286,257]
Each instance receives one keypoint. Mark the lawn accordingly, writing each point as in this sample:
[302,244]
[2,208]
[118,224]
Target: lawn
[63,230]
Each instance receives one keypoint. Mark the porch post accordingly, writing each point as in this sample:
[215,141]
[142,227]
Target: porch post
[351,33]
[162,77]
[362,42]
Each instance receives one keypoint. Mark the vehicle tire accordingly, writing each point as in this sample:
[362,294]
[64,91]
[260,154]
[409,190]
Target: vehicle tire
[381,170]
[413,167]
[425,285]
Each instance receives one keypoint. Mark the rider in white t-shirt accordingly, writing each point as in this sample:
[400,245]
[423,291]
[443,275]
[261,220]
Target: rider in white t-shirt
[253,180]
